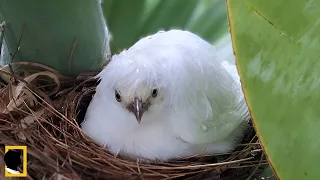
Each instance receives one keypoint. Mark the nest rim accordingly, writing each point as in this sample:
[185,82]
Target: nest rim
[56,137]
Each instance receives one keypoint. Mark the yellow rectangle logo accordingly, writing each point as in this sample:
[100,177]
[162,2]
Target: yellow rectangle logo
[15,159]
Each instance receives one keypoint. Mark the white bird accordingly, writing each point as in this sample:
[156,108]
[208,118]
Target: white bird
[168,96]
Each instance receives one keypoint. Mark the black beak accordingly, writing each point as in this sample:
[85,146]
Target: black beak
[138,109]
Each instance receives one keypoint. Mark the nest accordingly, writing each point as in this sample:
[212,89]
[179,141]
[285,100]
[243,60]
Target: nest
[43,109]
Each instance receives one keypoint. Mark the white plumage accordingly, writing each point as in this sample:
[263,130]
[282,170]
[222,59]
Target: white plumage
[176,84]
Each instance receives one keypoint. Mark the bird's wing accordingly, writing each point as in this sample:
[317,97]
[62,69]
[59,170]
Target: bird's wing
[219,110]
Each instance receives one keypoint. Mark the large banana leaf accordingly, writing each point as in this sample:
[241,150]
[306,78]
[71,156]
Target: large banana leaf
[276,43]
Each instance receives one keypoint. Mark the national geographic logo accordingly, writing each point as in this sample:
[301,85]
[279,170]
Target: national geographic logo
[16,161]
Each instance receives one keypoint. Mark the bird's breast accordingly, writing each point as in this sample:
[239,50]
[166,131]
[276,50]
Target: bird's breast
[152,141]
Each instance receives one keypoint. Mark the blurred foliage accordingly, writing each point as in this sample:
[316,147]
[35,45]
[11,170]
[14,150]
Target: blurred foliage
[129,21]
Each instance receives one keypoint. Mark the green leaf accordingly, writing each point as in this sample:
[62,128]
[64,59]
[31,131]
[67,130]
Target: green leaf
[50,29]
[276,44]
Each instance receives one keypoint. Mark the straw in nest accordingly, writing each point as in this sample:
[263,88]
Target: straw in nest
[43,110]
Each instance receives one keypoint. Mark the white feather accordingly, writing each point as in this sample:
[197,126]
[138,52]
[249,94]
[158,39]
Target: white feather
[200,107]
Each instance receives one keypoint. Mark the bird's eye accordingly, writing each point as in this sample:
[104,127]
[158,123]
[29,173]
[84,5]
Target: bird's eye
[154,93]
[117,95]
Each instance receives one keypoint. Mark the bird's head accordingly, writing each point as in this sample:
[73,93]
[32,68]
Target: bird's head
[137,103]
[138,87]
